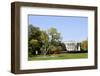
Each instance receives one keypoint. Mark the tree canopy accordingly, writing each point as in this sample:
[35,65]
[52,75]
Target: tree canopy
[43,41]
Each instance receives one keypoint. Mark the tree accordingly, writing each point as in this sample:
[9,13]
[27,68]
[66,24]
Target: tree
[35,46]
[45,42]
[54,36]
[55,40]
[33,32]
[84,45]
[34,42]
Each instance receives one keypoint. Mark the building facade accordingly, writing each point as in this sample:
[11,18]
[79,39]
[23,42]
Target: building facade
[72,46]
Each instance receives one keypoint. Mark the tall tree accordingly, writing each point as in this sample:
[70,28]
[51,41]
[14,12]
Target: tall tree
[45,42]
[34,43]
[55,40]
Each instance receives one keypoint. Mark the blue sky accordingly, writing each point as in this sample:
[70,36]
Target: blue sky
[70,27]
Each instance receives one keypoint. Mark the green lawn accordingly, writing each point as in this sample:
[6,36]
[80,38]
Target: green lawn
[59,56]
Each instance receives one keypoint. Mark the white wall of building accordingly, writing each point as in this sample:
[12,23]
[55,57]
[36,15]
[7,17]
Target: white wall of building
[72,46]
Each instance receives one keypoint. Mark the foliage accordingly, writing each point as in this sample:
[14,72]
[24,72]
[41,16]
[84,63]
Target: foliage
[34,42]
[43,42]
[54,36]
[84,45]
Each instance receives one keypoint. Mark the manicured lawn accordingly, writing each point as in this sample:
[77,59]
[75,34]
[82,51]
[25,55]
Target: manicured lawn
[59,56]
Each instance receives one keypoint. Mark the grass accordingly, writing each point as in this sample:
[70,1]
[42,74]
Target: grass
[59,56]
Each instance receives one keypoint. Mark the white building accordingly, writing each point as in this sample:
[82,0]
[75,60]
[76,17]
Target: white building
[72,46]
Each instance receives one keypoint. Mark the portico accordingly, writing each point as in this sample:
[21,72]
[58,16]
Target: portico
[72,46]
